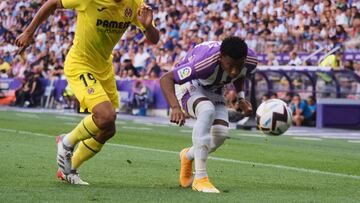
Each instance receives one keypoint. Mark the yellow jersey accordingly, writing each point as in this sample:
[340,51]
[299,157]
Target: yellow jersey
[330,61]
[99,26]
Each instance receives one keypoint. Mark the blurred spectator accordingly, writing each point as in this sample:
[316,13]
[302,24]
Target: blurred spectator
[274,95]
[294,59]
[141,97]
[357,68]
[153,70]
[4,67]
[270,27]
[349,65]
[271,58]
[141,58]
[333,60]
[311,101]
[302,114]
[69,98]
[264,98]
[288,98]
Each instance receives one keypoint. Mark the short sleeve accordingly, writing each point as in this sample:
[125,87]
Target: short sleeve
[184,73]
[79,5]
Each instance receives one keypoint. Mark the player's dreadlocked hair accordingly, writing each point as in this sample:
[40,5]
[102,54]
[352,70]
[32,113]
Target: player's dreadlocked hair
[234,47]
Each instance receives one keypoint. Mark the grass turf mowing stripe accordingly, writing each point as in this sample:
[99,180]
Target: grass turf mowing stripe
[354,141]
[307,138]
[212,158]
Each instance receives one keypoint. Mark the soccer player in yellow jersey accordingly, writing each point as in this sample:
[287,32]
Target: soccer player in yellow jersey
[89,72]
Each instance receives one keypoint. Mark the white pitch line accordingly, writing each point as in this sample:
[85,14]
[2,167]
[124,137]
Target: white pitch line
[135,128]
[307,138]
[304,170]
[354,141]
[67,118]
[186,131]
[250,135]
[156,124]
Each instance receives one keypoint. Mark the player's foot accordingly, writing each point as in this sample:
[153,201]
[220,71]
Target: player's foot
[204,185]
[64,155]
[186,176]
[72,178]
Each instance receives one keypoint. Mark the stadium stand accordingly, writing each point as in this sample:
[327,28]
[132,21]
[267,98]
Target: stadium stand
[275,28]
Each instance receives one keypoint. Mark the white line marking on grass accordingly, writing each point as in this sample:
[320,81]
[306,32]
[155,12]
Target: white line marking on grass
[250,135]
[314,171]
[307,138]
[354,141]
[27,115]
[67,118]
[186,131]
[156,124]
[339,137]
[135,128]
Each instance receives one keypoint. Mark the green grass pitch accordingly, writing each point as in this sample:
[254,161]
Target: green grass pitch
[140,164]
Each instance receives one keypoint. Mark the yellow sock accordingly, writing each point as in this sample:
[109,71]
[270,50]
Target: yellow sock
[84,130]
[85,150]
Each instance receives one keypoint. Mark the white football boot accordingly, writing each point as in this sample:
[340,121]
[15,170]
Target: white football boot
[64,155]
[73,177]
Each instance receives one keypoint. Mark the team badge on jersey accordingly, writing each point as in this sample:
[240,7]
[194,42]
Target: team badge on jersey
[184,72]
[128,12]
[90,90]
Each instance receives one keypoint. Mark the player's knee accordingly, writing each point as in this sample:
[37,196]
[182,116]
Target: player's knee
[205,110]
[219,134]
[111,131]
[105,119]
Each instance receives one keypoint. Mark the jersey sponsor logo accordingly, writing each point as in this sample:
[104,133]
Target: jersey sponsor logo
[128,12]
[101,9]
[112,24]
[184,72]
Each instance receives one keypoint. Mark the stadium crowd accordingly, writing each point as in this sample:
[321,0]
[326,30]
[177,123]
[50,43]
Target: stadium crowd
[271,27]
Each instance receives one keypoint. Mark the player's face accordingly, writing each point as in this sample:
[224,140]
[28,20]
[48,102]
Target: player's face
[232,66]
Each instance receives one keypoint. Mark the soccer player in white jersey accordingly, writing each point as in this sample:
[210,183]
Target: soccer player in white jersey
[195,88]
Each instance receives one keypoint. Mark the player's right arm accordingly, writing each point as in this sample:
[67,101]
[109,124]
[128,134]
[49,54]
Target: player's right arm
[167,83]
[25,38]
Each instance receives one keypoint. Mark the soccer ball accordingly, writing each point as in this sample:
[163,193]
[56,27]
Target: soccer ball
[273,117]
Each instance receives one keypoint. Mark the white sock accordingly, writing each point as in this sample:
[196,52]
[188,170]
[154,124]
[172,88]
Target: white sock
[66,142]
[201,154]
[205,113]
[190,154]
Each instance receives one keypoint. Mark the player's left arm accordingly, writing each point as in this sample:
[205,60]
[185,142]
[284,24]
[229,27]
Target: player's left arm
[244,105]
[145,17]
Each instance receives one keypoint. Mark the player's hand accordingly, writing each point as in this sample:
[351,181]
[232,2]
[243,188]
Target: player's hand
[178,116]
[23,41]
[145,15]
[246,107]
